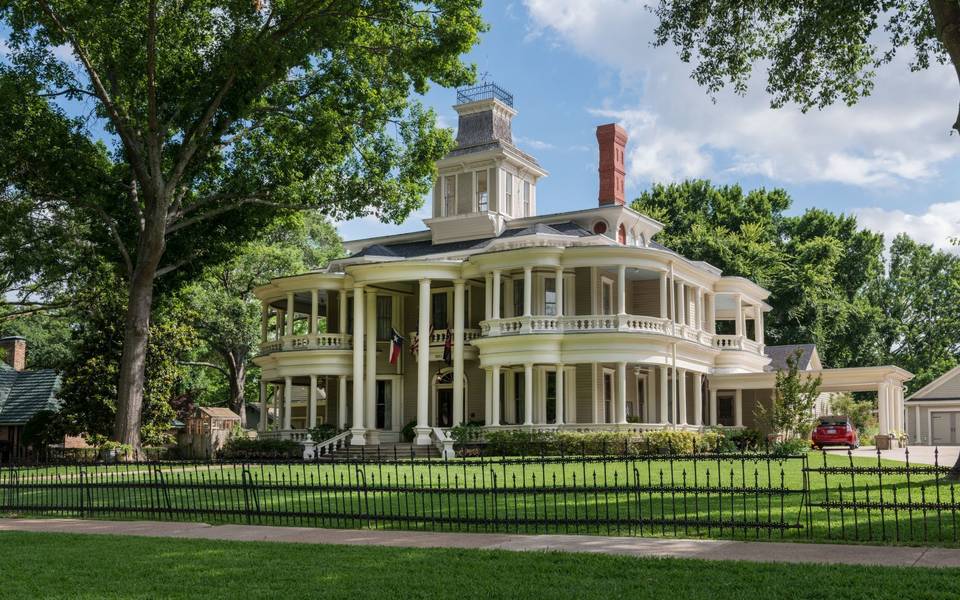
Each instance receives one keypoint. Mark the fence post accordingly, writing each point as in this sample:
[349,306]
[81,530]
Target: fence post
[244,478]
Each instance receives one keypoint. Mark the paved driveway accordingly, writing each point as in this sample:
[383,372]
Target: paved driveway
[945,455]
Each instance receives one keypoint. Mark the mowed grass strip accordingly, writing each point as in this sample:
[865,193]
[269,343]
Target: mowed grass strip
[39,565]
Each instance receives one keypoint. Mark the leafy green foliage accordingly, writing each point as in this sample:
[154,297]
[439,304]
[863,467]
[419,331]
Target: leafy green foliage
[794,396]
[532,443]
[89,388]
[815,53]
[860,412]
[243,448]
[210,120]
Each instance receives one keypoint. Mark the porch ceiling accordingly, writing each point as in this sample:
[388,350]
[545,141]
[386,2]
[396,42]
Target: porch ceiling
[853,379]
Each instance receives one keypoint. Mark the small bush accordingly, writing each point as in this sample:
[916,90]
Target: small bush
[467,433]
[407,433]
[791,447]
[745,440]
[243,448]
[322,433]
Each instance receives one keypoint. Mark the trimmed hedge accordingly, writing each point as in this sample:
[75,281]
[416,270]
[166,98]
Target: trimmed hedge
[245,448]
[523,442]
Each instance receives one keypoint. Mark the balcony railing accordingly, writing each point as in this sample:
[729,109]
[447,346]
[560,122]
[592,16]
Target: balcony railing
[320,341]
[613,323]
[439,338]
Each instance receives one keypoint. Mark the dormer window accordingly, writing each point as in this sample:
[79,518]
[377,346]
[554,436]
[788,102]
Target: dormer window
[449,196]
[483,195]
[526,198]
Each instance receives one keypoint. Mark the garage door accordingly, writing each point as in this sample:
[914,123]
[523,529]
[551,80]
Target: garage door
[943,427]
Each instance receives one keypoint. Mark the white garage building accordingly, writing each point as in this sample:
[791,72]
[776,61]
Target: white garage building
[933,413]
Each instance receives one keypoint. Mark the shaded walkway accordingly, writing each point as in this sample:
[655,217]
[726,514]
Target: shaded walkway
[630,546]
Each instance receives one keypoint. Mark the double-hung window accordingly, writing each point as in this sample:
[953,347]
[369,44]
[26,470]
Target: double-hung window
[508,202]
[384,317]
[449,196]
[483,196]
[549,296]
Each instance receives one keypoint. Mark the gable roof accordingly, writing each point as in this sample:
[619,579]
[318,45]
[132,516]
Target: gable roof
[218,412]
[945,387]
[779,355]
[25,393]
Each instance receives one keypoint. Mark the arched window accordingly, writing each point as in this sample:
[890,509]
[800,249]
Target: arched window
[622,234]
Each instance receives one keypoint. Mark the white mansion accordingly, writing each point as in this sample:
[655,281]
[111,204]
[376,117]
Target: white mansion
[577,320]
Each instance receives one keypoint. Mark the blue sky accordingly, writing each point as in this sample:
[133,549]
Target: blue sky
[573,65]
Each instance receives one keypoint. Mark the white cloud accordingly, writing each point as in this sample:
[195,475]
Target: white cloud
[532,143]
[937,226]
[676,131]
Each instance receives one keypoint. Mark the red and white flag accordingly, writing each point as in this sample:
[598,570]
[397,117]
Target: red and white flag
[396,345]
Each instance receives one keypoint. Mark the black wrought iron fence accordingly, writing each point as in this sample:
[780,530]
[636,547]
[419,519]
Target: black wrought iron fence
[820,496]
[670,495]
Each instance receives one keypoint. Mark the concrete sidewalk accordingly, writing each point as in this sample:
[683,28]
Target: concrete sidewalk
[629,546]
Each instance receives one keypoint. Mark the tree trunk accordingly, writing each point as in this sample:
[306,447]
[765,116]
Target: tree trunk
[238,382]
[133,361]
[946,17]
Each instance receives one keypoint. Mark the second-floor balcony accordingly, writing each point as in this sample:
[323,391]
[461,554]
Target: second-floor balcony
[595,324]
[319,341]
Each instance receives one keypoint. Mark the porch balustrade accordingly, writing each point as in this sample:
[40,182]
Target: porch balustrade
[320,341]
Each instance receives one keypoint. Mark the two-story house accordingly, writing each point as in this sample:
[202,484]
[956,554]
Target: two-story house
[509,318]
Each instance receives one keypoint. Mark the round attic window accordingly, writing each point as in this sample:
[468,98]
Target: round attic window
[600,227]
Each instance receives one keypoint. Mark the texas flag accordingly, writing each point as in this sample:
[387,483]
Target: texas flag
[396,345]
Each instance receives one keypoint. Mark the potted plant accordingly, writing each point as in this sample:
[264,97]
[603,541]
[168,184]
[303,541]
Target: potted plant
[883,441]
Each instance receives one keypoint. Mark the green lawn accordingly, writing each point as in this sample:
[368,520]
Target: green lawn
[93,566]
[722,498]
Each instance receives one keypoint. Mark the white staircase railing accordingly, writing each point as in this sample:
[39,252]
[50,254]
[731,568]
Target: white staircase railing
[313,450]
[442,441]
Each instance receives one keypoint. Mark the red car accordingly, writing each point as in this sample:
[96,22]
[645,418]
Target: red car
[835,431]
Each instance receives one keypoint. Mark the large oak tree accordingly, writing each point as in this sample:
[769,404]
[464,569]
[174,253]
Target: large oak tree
[170,131]
[815,53]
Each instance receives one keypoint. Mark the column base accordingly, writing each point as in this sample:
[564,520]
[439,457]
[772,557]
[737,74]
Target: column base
[358,437]
[423,436]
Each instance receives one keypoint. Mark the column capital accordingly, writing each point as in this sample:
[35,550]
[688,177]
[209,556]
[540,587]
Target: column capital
[459,281]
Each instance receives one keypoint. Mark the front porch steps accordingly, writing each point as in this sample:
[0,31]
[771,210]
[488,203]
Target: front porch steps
[386,451]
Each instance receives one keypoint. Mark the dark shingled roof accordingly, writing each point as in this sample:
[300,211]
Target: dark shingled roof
[427,247]
[780,354]
[25,393]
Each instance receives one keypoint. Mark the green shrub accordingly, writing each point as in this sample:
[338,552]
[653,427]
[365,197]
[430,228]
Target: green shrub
[407,433]
[243,448]
[467,433]
[524,442]
[791,447]
[745,440]
[323,432]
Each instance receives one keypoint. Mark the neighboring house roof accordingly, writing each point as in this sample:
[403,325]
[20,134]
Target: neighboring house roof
[25,393]
[218,412]
[808,359]
[944,388]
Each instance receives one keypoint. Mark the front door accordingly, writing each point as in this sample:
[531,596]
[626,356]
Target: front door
[445,407]
[943,428]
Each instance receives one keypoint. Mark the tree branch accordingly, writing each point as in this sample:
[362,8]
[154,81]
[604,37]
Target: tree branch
[206,365]
[119,120]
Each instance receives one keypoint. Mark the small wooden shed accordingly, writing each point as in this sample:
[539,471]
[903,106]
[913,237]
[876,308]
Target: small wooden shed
[207,430]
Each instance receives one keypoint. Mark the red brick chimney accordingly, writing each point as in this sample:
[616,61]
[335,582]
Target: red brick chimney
[612,140]
[14,352]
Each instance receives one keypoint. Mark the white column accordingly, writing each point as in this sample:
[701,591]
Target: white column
[711,300]
[312,405]
[290,313]
[882,408]
[594,400]
[622,290]
[496,294]
[264,412]
[314,303]
[487,297]
[684,313]
[370,368]
[527,291]
[280,323]
[898,392]
[758,323]
[495,396]
[264,319]
[664,395]
[358,438]
[672,299]
[738,408]
[528,394]
[342,402]
[700,320]
[488,396]
[698,399]
[741,330]
[558,287]
[621,397]
[560,396]
[458,315]
[343,312]
[423,365]
[664,308]
[287,401]
[682,396]
[713,407]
